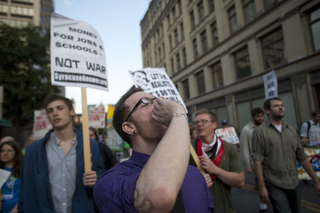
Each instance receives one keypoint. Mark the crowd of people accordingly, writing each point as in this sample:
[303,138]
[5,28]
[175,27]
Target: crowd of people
[161,175]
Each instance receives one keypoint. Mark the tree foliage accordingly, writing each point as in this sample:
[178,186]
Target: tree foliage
[24,72]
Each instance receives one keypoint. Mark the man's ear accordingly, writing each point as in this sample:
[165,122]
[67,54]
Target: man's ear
[267,111]
[128,128]
[72,113]
[214,125]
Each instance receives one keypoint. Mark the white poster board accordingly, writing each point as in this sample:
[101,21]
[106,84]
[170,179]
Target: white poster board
[77,54]
[156,82]
[4,175]
[97,117]
[228,134]
[41,124]
[270,85]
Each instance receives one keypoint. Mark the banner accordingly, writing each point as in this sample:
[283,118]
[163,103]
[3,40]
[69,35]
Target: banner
[270,85]
[156,82]
[77,54]
[96,117]
[41,124]
[228,134]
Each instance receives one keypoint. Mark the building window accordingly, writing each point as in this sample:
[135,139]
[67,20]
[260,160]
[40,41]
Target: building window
[160,55]
[174,13]
[201,11]
[249,9]
[184,55]
[271,3]
[211,6]
[168,17]
[195,48]
[315,28]
[172,65]
[214,33]
[182,31]
[178,61]
[273,49]
[164,52]
[170,41]
[156,56]
[3,8]
[200,83]
[204,41]
[242,62]
[216,72]
[233,20]
[176,39]
[185,85]
[22,11]
[192,21]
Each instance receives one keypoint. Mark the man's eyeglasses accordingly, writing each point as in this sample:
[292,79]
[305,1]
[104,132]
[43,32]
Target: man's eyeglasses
[144,101]
[202,121]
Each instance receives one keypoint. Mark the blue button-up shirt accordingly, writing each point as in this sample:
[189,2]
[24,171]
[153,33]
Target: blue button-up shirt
[62,173]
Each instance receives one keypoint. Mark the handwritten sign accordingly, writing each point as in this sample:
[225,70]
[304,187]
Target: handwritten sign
[41,124]
[77,54]
[228,134]
[270,85]
[97,117]
[156,82]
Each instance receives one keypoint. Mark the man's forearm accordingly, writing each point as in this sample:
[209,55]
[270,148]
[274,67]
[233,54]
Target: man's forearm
[162,177]
[232,179]
[259,173]
[309,169]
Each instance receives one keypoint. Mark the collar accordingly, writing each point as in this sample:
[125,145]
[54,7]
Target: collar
[139,157]
[57,140]
[252,125]
[207,147]
[268,123]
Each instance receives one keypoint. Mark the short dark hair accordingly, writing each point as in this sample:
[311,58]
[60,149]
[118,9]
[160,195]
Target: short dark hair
[54,97]
[256,110]
[95,132]
[121,111]
[267,103]
[211,114]
[315,113]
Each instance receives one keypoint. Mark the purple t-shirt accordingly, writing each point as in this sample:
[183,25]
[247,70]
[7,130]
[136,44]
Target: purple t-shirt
[113,192]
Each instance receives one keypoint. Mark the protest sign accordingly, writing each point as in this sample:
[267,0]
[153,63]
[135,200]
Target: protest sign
[41,124]
[156,82]
[270,85]
[97,117]
[77,54]
[228,134]
[110,115]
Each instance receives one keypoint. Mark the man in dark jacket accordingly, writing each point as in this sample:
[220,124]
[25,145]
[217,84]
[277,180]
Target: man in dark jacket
[52,173]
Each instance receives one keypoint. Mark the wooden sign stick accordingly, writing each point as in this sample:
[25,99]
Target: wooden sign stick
[196,159]
[85,131]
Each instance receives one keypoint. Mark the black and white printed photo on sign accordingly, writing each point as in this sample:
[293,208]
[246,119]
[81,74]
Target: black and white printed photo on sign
[156,82]
[77,54]
[270,85]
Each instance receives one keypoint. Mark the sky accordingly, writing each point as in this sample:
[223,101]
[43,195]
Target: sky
[118,24]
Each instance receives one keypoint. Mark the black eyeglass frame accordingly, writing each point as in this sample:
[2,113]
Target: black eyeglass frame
[150,100]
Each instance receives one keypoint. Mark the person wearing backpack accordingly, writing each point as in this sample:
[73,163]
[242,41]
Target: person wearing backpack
[311,130]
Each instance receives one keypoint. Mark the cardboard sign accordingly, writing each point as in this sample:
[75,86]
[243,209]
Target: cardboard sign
[77,54]
[228,134]
[270,85]
[156,82]
[97,117]
[41,124]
